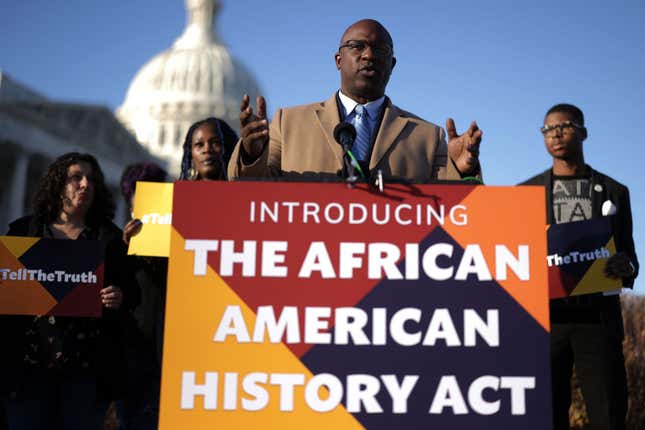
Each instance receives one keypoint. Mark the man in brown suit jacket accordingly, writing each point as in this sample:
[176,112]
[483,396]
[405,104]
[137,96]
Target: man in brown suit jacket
[300,141]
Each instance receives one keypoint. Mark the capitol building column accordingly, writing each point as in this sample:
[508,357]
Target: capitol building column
[16,197]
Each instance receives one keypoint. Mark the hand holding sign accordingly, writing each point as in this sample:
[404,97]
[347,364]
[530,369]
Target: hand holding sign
[132,228]
[112,297]
[618,266]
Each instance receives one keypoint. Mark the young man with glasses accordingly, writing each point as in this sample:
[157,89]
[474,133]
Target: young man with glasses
[300,140]
[587,330]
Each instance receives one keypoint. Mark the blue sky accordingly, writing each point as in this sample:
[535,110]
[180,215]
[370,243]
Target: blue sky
[503,63]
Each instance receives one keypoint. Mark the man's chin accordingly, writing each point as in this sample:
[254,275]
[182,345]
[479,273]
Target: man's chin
[370,92]
[563,156]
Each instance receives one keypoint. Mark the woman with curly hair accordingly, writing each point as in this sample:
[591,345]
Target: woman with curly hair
[64,371]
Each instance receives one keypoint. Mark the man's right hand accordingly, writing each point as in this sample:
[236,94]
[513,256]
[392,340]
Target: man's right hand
[253,127]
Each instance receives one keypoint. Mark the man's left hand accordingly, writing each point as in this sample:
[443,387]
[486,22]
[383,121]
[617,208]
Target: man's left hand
[618,267]
[464,149]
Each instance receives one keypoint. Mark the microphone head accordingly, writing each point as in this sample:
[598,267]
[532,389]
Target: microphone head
[344,131]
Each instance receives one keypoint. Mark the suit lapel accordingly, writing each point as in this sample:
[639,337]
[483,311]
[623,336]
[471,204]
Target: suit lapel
[391,126]
[548,185]
[598,193]
[328,118]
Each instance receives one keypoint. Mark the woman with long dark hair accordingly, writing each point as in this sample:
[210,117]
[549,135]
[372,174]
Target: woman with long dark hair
[207,149]
[62,372]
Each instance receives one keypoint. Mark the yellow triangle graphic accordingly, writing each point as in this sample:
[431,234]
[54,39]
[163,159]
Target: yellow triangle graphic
[594,280]
[18,245]
[195,305]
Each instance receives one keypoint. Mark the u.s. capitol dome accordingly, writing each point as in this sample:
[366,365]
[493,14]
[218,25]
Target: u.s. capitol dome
[194,79]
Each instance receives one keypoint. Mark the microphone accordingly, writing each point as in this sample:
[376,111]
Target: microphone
[345,134]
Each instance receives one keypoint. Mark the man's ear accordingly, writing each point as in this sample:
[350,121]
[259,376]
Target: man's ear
[583,130]
[393,62]
[337,59]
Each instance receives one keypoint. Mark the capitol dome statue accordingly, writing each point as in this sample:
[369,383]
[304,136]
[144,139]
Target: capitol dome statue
[194,79]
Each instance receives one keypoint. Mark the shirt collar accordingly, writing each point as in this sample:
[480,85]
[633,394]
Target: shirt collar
[372,107]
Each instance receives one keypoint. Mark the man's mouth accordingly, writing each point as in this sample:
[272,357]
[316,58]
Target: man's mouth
[368,70]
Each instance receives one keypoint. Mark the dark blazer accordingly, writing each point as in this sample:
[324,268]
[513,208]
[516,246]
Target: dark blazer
[604,188]
[110,363]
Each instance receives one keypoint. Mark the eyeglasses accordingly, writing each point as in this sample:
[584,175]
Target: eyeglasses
[359,46]
[548,130]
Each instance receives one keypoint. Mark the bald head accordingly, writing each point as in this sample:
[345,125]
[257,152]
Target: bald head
[372,23]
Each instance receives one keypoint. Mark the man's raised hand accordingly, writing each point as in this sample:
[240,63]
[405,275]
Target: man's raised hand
[464,149]
[254,127]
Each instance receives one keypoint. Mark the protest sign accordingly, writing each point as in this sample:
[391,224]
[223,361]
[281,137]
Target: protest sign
[50,276]
[578,252]
[153,206]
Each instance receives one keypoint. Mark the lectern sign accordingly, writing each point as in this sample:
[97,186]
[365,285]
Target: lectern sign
[294,305]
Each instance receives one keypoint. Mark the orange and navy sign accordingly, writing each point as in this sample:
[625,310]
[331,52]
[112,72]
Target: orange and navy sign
[299,305]
[578,253]
[50,276]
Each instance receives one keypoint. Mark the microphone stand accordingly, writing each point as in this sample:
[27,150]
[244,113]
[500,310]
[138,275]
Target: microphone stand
[344,134]
[349,171]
